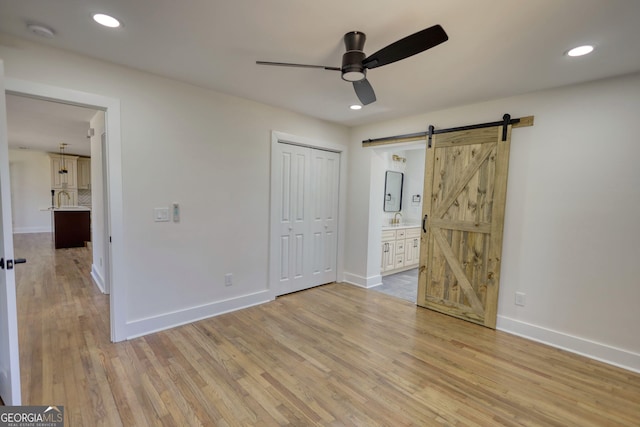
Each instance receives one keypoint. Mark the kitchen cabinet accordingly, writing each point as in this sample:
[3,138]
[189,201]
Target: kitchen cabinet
[400,250]
[84,173]
[71,227]
[64,180]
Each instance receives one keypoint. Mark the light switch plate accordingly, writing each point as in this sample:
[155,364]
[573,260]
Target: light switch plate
[161,214]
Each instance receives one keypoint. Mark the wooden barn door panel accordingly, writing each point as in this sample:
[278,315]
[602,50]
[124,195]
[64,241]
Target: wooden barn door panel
[464,199]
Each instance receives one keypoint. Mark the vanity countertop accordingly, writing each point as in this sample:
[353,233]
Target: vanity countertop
[401,226]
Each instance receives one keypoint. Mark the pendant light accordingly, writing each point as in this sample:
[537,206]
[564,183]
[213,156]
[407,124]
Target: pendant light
[63,169]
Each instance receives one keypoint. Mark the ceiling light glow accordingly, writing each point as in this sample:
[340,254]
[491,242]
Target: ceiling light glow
[580,50]
[356,107]
[106,20]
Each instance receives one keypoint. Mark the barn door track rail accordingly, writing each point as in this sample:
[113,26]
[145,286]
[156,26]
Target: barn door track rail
[505,122]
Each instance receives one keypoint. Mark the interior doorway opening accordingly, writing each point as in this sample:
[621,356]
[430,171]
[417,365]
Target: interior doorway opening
[397,181]
[41,174]
[112,174]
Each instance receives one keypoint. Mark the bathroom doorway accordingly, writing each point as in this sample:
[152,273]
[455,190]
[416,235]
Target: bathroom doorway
[400,212]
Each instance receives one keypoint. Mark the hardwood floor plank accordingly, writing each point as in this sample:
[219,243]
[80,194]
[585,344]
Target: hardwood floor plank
[335,355]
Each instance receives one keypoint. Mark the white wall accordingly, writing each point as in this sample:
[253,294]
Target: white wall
[209,152]
[413,184]
[573,203]
[30,191]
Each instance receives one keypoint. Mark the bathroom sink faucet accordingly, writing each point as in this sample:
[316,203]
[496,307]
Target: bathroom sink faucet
[395,219]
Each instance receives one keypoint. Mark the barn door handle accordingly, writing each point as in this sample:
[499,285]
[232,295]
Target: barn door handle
[424,221]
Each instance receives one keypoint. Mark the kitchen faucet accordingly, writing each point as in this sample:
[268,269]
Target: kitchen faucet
[66,194]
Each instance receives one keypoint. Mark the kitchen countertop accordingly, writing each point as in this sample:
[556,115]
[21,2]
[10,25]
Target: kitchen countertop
[68,209]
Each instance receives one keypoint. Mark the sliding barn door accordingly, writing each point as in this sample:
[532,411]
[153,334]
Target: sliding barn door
[464,201]
[304,223]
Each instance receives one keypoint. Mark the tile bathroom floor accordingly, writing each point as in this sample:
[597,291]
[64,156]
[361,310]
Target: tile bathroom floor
[402,285]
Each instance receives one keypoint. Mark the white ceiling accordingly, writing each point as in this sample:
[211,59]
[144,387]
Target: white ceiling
[40,125]
[496,48]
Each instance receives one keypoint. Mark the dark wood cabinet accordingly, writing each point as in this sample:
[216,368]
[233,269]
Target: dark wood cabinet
[72,228]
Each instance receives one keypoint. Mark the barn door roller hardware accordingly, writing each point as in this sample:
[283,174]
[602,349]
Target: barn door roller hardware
[505,122]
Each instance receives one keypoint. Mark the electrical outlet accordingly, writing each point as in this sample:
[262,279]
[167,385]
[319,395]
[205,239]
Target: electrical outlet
[520,298]
[228,279]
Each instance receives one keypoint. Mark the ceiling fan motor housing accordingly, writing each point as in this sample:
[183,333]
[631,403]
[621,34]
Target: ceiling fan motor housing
[352,68]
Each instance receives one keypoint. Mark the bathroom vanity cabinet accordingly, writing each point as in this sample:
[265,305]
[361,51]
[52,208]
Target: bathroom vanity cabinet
[400,249]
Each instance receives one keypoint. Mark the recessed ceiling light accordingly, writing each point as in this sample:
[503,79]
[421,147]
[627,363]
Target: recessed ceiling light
[41,30]
[580,50]
[106,20]
[356,107]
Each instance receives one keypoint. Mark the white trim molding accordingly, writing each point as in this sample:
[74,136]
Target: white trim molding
[363,282]
[97,278]
[594,350]
[138,328]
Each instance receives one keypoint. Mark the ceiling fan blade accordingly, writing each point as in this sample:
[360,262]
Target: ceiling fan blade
[406,47]
[365,92]
[287,64]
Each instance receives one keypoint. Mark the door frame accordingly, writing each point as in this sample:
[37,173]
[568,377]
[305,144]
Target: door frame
[112,175]
[10,382]
[278,137]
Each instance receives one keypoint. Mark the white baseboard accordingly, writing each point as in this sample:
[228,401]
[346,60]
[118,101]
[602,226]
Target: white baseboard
[97,278]
[363,282]
[594,350]
[27,230]
[138,328]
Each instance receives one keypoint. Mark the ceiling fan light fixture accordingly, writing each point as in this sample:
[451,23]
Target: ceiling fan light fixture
[352,68]
[353,76]
[580,50]
[106,20]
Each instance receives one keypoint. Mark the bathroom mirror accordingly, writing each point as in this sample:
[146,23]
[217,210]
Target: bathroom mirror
[393,191]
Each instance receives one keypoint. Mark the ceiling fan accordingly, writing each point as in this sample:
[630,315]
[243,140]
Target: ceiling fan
[355,63]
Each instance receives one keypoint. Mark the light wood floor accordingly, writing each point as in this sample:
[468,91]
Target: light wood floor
[334,355]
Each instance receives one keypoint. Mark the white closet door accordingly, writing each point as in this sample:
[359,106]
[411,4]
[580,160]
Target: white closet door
[293,211]
[325,178]
[304,209]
